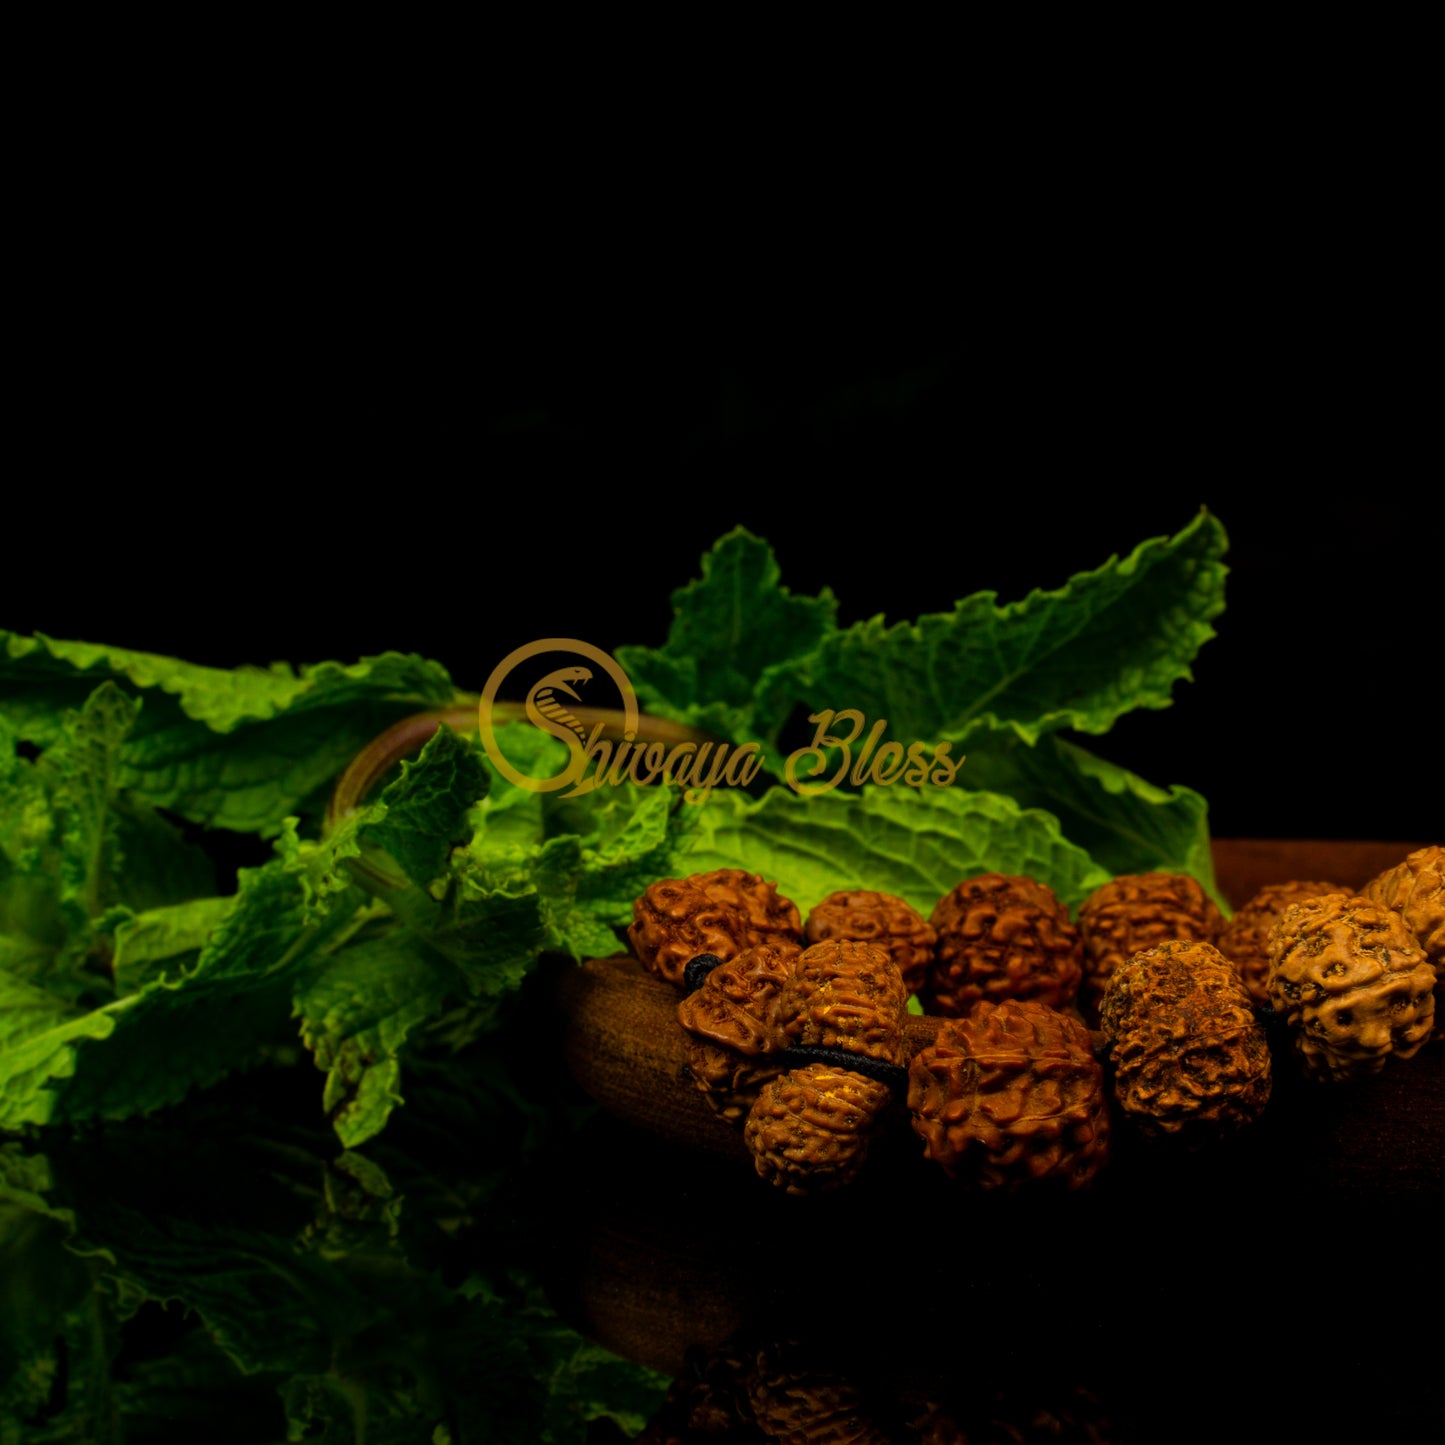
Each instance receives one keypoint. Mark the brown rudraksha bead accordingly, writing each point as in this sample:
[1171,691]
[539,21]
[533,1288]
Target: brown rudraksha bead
[810,1128]
[770,918]
[846,995]
[1135,912]
[1190,1058]
[1245,940]
[1002,937]
[1009,1095]
[734,1036]
[721,913]
[675,920]
[1415,889]
[863,916]
[1353,982]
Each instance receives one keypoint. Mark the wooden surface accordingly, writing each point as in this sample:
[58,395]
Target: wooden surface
[1179,1276]
[1242,866]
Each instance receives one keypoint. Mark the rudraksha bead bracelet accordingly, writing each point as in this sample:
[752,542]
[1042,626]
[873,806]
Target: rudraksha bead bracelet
[804,1047]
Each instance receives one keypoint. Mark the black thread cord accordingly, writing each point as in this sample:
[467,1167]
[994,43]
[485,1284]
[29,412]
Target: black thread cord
[800,1055]
[694,975]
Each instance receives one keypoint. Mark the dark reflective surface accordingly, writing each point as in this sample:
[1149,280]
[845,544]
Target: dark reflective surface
[222,1271]
[1184,1297]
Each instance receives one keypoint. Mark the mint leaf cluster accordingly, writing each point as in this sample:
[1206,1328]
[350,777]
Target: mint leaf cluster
[1004,685]
[373,974]
[140,1004]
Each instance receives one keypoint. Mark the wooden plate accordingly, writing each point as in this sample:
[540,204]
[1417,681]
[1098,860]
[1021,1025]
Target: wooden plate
[1175,1290]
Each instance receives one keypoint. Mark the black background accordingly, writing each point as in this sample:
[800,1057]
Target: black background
[266,483]
[260,462]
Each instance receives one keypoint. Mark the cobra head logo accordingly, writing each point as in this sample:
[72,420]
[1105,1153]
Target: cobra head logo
[551,703]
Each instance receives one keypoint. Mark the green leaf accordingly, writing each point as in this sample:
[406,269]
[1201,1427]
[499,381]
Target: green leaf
[223,699]
[423,815]
[583,880]
[82,766]
[25,1178]
[181,1030]
[60,842]
[1125,824]
[73,844]
[491,934]
[357,1012]
[475,940]
[735,632]
[32,926]
[504,901]
[158,866]
[1111,640]
[165,942]
[40,1035]
[916,844]
[239,749]
[26,817]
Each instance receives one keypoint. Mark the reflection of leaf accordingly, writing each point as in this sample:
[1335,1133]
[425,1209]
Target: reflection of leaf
[197,1392]
[297,1287]
[44,1299]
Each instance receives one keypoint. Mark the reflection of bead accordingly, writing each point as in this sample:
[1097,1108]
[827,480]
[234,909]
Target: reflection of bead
[792,1399]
